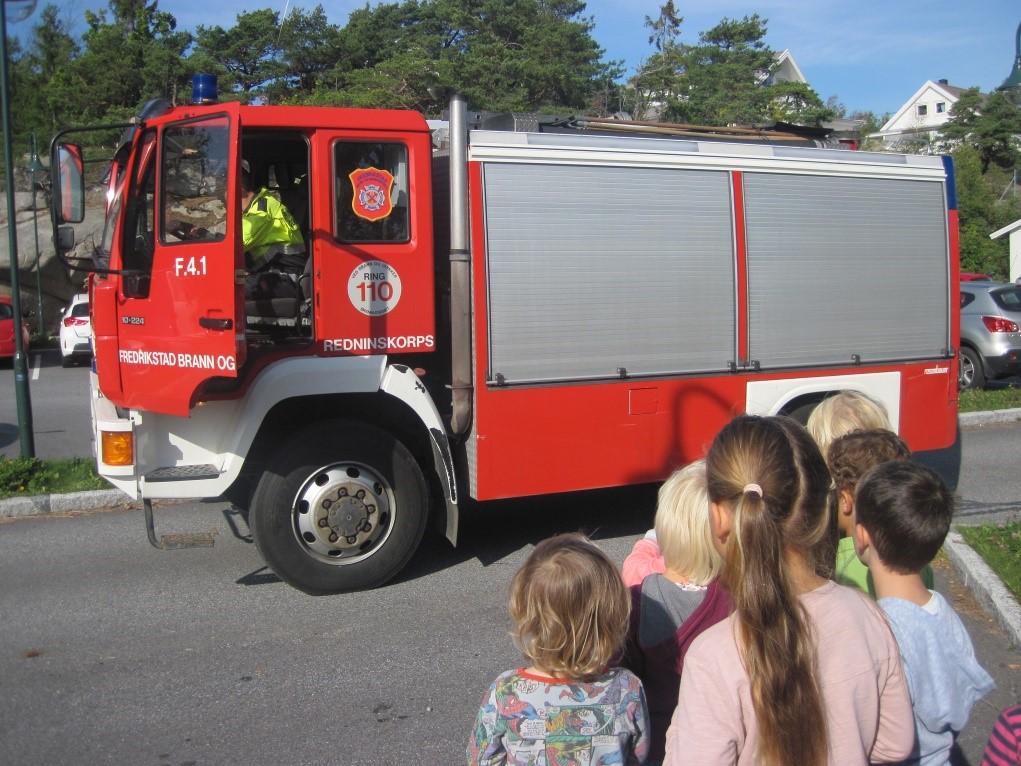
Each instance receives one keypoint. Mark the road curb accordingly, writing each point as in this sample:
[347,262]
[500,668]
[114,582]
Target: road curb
[37,505]
[989,417]
[985,585]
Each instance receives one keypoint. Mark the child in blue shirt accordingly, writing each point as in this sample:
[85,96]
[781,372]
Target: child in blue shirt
[902,515]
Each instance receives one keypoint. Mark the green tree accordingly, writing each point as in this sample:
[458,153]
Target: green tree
[309,46]
[132,53]
[657,82]
[244,56]
[504,55]
[981,212]
[990,124]
[526,55]
[723,79]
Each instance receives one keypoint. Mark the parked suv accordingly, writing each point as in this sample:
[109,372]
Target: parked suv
[76,331]
[990,332]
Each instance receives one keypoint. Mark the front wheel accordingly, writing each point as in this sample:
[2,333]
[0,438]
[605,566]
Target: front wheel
[342,506]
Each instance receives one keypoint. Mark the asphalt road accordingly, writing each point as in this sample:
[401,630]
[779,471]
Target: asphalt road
[60,408]
[112,652]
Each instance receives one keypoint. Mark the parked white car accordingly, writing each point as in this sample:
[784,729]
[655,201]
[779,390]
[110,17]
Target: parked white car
[76,331]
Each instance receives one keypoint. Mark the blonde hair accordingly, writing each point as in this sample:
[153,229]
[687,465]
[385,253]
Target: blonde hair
[785,512]
[844,412]
[570,607]
[682,525]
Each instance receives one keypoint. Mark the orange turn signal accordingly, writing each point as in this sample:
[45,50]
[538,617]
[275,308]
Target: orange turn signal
[118,447]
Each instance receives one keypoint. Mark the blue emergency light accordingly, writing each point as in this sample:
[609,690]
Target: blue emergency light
[203,89]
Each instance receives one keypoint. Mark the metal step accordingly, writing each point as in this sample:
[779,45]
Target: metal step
[182,473]
[174,541]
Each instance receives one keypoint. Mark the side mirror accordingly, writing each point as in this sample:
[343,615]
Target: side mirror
[65,239]
[68,183]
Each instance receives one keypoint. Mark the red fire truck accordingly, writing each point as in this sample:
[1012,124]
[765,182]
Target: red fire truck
[523,313]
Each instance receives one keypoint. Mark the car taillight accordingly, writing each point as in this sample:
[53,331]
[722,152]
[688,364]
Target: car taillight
[999,324]
[75,322]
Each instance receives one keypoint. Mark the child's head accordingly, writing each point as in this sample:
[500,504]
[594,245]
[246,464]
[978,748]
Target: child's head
[905,510]
[842,413]
[682,525]
[852,455]
[570,607]
[768,485]
[769,473]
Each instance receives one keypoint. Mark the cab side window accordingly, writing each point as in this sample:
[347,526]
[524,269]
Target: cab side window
[194,182]
[371,191]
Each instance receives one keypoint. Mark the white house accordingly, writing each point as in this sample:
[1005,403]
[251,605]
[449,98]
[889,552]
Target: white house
[922,115]
[786,69]
[1014,231]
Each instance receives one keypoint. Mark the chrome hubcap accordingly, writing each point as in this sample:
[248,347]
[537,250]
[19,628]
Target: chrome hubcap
[343,513]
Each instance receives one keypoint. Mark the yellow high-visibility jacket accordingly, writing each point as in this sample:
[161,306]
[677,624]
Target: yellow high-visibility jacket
[266,223]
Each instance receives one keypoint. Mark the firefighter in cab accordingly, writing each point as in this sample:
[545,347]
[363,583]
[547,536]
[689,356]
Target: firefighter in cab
[269,234]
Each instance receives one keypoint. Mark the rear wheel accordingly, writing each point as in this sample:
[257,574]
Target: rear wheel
[342,506]
[969,370]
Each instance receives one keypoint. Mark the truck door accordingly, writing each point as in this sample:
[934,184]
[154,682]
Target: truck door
[179,308]
[374,267]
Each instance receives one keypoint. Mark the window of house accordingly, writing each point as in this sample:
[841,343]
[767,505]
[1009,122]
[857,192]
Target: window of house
[922,110]
[941,106]
[371,191]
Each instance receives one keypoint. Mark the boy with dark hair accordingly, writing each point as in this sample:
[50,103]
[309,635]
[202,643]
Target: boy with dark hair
[902,515]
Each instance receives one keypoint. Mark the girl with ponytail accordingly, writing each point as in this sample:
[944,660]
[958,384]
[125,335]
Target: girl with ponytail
[805,671]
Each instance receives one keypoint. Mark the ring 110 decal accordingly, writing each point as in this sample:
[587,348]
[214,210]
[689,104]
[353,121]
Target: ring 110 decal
[374,288]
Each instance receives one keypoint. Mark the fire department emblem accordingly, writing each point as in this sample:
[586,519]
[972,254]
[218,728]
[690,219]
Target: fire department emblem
[371,199]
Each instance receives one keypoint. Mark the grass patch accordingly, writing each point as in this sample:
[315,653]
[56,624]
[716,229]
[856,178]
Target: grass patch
[993,399]
[32,476]
[1000,547]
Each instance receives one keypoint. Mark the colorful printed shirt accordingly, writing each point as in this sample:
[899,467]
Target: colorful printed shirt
[532,720]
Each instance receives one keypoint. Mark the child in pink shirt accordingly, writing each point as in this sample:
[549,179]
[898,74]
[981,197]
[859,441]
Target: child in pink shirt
[756,689]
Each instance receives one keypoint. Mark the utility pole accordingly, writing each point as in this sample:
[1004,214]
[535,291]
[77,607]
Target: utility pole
[35,166]
[21,393]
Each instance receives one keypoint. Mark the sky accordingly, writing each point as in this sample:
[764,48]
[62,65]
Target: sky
[871,55]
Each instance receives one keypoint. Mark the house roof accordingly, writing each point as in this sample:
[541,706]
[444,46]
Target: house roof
[786,57]
[950,92]
[1008,229]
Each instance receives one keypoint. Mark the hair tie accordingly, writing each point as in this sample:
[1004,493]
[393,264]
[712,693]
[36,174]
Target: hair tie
[753,488]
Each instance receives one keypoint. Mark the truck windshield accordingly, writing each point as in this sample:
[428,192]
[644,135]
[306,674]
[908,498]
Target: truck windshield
[112,214]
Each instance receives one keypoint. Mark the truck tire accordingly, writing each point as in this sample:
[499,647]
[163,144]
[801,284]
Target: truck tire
[969,370]
[342,506]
